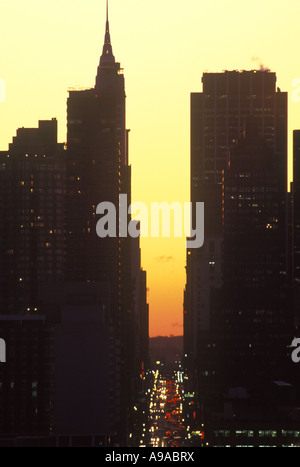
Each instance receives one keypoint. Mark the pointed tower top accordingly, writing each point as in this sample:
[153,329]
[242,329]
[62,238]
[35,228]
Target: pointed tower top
[107,55]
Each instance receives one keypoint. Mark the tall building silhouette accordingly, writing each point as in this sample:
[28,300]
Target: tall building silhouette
[254,314]
[217,121]
[98,171]
[32,253]
[295,216]
[73,305]
[296,202]
[238,295]
[32,232]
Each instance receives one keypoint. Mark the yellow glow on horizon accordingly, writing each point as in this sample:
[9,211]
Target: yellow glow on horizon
[164,48]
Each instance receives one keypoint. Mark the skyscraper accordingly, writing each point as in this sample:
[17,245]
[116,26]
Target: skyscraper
[296,201]
[32,253]
[98,171]
[254,314]
[32,210]
[295,197]
[220,155]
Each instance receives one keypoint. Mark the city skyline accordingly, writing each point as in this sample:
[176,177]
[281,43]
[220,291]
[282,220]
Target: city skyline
[149,234]
[160,74]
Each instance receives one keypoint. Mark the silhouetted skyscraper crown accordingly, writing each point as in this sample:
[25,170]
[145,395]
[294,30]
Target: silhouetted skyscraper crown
[107,54]
[109,77]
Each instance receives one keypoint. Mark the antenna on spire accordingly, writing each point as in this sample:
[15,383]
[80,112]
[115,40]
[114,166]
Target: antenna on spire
[107,23]
[107,54]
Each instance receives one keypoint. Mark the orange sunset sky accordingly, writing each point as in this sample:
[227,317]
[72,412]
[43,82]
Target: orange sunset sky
[164,47]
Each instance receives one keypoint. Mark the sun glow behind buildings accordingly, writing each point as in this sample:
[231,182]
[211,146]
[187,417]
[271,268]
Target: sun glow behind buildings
[164,47]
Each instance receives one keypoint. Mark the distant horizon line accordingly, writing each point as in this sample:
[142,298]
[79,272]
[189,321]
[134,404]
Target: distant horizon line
[166,337]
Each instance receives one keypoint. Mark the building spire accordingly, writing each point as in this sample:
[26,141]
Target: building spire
[107,35]
[107,55]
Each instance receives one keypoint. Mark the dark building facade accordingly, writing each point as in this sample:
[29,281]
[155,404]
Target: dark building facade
[256,299]
[295,222]
[141,308]
[32,212]
[32,252]
[217,121]
[57,387]
[296,204]
[86,384]
[27,377]
[238,298]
